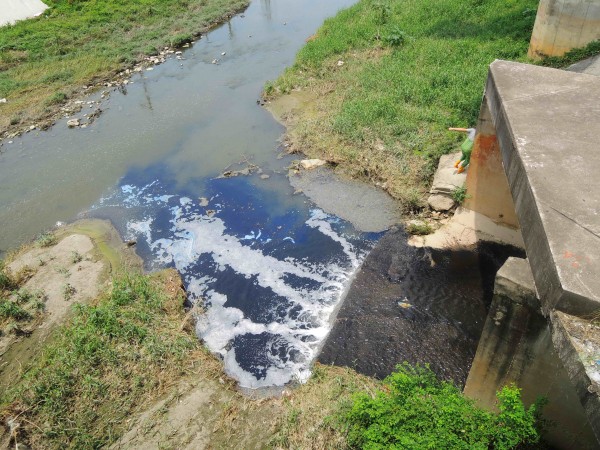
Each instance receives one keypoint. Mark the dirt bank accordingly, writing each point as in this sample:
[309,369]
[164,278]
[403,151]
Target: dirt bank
[71,266]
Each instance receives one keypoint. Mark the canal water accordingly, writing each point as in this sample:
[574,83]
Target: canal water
[269,266]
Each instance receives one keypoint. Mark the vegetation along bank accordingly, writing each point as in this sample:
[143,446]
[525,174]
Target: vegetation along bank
[376,88]
[77,46]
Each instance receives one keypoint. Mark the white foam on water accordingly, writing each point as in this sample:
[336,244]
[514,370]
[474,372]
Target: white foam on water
[194,236]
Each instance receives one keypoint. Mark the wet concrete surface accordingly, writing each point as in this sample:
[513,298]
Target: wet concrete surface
[418,305]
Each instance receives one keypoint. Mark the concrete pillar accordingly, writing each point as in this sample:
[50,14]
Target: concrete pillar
[562,25]
[487,185]
[516,347]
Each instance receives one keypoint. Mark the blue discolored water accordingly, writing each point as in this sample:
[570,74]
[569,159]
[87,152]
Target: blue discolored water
[268,265]
[269,269]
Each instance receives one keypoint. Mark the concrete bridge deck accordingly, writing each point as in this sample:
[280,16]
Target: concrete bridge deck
[547,125]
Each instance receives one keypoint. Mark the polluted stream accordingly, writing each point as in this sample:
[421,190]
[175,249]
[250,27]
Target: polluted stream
[269,266]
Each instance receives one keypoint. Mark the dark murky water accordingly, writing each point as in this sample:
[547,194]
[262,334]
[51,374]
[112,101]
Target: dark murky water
[418,305]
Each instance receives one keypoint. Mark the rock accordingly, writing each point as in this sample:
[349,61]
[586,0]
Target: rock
[264,176]
[73,123]
[131,243]
[309,164]
[149,69]
[446,178]
[440,202]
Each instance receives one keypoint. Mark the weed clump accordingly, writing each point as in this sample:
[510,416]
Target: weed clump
[419,228]
[459,195]
[17,304]
[46,240]
[416,410]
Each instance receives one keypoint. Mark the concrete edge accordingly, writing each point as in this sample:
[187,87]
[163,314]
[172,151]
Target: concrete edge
[586,388]
[545,274]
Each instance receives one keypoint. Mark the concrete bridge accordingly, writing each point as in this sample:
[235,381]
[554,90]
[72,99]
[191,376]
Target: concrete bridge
[536,167]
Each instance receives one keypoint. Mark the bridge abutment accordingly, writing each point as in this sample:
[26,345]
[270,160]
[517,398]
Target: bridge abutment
[536,165]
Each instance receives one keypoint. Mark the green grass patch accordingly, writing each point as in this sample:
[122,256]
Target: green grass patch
[391,76]
[415,410]
[18,306]
[75,42]
[573,56]
[106,361]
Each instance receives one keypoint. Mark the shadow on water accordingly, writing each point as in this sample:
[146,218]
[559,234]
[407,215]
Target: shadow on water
[417,305]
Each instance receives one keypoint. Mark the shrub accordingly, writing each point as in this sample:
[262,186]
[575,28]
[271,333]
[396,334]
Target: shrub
[10,310]
[46,240]
[415,410]
[460,194]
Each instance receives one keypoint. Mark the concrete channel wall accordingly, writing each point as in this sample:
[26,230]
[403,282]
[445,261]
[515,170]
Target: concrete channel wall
[536,165]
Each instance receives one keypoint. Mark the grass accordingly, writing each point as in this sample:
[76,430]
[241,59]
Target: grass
[413,409]
[111,357]
[18,306]
[45,61]
[390,78]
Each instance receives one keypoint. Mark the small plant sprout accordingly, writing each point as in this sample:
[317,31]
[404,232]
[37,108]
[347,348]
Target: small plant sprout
[76,257]
[68,291]
[460,194]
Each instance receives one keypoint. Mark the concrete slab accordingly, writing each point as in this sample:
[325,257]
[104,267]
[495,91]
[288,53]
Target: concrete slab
[465,229]
[547,123]
[447,178]
[14,10]
[577,342]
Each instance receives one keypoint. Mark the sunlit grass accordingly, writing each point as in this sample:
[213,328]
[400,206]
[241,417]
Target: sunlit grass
[391,76]
[46,60]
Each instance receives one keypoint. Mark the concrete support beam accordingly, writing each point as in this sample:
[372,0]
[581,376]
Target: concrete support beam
[516,347]
[562,25]
[546,123]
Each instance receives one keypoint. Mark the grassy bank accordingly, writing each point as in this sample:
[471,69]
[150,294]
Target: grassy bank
[391,76]
[109,359]
[46,61]
[127,369]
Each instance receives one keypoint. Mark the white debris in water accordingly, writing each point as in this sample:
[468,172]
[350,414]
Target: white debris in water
[296,334]
[141,227]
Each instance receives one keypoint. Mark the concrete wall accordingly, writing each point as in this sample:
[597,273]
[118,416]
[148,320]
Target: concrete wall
[562,25]
[516,347]
[487,185]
